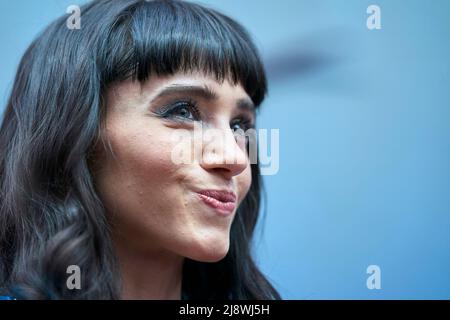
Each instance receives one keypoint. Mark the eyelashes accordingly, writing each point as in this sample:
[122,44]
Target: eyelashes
[187,111]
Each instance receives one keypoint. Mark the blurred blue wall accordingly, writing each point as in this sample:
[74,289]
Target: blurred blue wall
[364,140]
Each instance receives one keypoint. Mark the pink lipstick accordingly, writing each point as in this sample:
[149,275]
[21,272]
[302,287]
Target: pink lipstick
[222,200]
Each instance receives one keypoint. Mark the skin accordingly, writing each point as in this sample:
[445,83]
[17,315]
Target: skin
[151,202]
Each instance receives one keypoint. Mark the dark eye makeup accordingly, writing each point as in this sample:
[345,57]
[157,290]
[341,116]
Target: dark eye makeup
[187,110]
[182,110]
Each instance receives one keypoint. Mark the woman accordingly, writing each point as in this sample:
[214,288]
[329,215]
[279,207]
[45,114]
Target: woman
[88,177]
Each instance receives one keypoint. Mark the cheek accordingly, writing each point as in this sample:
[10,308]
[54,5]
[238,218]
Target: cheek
[141,159]
[138,182]
[244,180]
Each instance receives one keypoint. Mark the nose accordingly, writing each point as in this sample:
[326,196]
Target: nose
[224,152]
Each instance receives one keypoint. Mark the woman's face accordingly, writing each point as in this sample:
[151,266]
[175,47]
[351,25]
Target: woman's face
[154,199]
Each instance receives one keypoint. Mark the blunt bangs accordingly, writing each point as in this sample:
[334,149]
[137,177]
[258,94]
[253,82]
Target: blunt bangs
[164,37]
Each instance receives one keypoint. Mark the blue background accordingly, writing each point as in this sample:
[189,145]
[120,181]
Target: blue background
[364,140]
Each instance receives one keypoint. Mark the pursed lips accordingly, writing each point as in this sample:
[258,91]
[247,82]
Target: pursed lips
[224,201]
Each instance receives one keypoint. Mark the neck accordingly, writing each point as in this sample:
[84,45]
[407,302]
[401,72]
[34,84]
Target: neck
[154,275]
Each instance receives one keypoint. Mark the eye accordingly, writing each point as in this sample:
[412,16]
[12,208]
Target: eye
[184,110]
[241,123]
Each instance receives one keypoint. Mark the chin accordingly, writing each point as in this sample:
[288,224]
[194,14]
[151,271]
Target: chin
[209,250]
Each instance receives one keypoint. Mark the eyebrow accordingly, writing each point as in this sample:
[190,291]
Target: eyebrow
[205,92]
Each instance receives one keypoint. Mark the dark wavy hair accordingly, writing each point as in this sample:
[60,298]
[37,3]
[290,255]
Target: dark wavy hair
[50,213]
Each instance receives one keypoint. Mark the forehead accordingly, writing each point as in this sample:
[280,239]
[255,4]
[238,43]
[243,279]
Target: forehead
[212,87]
[202,86]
